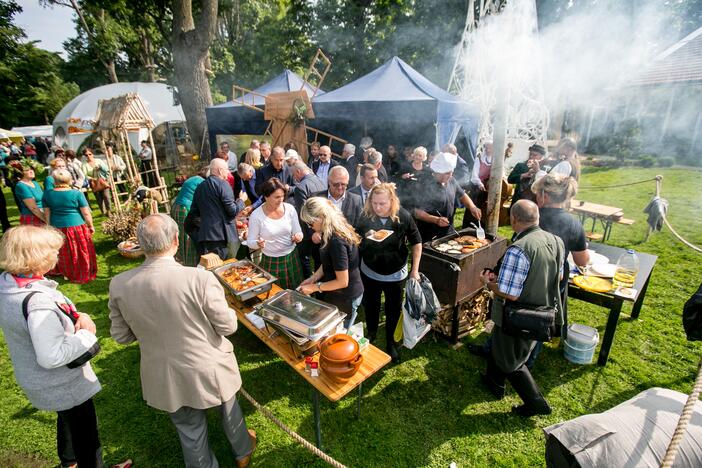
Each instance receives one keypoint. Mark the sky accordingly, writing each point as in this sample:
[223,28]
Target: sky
[51,26]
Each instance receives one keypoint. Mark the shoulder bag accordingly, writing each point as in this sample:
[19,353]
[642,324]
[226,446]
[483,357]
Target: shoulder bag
[69,311]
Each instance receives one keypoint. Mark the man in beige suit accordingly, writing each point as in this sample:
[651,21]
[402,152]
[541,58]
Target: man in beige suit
[180,318]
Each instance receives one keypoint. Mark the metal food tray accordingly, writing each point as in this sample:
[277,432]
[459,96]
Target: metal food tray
[301,339]
[245,294]
[302,345]
[296,312]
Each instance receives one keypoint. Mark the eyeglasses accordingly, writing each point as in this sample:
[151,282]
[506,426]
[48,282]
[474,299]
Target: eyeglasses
[339,184]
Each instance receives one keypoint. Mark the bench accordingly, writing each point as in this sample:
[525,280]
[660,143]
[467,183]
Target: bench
[624,221]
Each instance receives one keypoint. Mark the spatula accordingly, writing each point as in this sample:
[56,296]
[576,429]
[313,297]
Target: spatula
[480,232]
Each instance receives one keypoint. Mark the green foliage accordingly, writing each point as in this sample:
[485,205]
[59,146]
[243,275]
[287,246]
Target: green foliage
[429,410]
[647,160]
[666,161]
[30,79]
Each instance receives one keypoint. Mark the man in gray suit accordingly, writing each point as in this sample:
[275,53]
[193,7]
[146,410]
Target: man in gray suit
[180,317]
[306,185]
[347,202]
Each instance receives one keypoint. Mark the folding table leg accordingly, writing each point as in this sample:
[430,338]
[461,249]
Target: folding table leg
[317,419]
[358,400]
[636,310]
[609,331]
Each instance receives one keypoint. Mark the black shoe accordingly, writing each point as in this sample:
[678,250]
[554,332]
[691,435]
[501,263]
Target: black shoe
[498,391]
[527,411]
[394,354]
[478,350]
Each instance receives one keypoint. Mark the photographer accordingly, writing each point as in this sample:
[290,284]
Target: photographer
[523,174]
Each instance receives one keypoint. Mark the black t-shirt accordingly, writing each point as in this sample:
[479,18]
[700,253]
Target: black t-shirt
[389,255]
[436,200]
[339,255]
[562,224]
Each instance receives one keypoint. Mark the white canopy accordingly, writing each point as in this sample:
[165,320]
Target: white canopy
[75,121]
[34,131]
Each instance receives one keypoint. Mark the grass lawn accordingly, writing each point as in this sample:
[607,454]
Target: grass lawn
[429,410]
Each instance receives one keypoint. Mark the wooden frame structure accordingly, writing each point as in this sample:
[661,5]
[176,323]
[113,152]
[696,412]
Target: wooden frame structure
[115,118]
[279,127]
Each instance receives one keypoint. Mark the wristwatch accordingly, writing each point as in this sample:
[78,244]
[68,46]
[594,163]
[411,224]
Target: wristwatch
[319,286]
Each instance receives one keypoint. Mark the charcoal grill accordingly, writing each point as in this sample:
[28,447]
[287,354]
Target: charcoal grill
[456,277]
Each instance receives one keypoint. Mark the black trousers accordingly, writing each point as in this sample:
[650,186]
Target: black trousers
[3,213]
[372,291]
[221,248]
[149,178]
[77,437]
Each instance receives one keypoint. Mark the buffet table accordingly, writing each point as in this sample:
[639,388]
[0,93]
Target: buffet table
[373,360]
[614,301]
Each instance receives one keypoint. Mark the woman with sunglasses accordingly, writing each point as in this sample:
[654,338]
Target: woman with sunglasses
[384,259]
[338,279]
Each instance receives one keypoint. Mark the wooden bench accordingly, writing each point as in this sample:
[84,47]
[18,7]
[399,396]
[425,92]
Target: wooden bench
[624,221]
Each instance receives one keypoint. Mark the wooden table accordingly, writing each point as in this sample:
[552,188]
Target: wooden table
[373,360]
[611,300]
[603,213]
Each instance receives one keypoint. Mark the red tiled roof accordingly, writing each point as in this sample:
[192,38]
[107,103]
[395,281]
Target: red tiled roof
[680,63]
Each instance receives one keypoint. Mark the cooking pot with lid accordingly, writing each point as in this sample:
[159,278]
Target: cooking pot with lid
[339,357]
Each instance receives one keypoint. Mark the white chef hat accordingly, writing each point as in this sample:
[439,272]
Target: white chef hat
[291,154]
[443,163]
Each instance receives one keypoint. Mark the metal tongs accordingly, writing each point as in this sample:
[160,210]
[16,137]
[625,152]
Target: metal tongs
[251,278]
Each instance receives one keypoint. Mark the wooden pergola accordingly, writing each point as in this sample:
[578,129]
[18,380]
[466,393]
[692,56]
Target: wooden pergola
[114,120]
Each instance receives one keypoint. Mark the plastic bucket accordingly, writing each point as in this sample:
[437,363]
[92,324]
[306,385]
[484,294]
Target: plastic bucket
[579,346]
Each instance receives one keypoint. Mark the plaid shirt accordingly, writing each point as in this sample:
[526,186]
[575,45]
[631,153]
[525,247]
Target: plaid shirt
[513,272]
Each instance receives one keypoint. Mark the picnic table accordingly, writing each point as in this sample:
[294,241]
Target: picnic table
[612,300]
[373,360]
[606,215]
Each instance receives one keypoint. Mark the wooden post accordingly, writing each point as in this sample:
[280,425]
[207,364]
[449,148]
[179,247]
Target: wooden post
[161,182]
[498,159]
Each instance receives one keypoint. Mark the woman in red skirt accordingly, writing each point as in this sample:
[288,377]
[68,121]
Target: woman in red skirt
[68,210]
[28,194]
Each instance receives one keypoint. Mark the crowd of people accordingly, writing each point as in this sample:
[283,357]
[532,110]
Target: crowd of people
[313,226]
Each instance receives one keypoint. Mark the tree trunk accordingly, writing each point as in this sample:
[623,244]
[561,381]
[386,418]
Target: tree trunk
[190,46]
[111,71]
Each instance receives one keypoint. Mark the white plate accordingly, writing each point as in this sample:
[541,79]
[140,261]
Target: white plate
[605,270]
[370,235]
[596,258]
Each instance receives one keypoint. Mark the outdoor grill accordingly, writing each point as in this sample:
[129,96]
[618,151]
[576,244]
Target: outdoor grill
[456,277]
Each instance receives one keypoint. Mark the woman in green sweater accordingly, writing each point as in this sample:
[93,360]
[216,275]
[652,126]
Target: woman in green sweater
[67,210]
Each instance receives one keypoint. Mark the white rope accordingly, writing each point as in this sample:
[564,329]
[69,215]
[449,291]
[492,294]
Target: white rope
[266,412]
[687,411]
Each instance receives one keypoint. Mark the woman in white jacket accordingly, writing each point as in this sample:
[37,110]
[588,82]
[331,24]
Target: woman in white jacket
[50,342]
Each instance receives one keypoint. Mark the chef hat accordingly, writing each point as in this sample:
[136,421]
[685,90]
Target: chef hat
[443,163]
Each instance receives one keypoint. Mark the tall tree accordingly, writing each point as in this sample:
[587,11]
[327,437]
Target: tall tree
[190,44]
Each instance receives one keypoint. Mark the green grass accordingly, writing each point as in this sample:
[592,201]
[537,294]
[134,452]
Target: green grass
[429,410]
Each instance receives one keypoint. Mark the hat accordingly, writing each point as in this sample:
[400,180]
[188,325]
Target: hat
[538,149]
[443,163]
[291,154]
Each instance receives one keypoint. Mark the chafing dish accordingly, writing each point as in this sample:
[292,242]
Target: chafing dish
[248,293]
[305,321]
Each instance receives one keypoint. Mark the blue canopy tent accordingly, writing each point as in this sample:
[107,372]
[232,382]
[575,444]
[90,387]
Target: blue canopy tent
[395,104]
[233,118]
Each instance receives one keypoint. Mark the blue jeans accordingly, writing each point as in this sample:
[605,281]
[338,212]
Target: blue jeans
[351,319]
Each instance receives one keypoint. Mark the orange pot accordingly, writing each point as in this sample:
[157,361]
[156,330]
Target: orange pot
[340,357]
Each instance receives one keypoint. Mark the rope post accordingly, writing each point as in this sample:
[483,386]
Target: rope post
[685,417]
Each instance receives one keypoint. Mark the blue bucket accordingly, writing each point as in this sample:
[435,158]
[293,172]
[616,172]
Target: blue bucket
[579,346]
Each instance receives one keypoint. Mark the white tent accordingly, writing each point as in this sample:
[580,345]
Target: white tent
[75,121]
[34,131]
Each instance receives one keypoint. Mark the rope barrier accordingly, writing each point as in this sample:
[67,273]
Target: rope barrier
[679,433]
[679,237]
[266,412]
[593,187]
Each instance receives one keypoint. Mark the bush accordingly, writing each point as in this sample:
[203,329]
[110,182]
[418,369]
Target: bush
[646,160]
[666,161]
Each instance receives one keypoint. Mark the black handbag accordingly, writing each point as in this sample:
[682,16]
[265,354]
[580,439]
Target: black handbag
[529,322]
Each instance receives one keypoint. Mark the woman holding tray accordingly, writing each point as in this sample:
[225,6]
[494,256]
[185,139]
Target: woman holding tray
[386,231]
